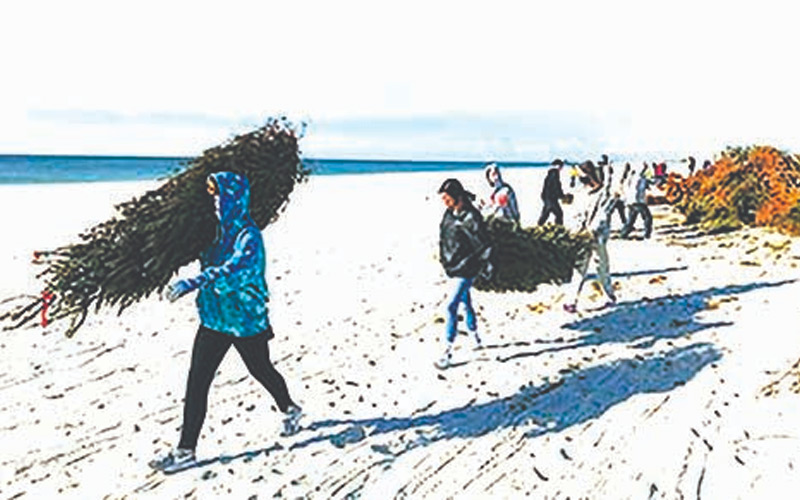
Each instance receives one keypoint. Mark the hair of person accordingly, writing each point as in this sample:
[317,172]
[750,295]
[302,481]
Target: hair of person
[455,190]
[489,167]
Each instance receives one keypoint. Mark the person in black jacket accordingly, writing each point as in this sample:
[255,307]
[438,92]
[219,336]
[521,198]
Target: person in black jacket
[601,167]
[589,177]
[464,253]
[692,164]
[552,194]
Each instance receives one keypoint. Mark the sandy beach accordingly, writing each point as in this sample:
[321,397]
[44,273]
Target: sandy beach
[661,396]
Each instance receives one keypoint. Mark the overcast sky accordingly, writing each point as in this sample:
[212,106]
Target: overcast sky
[410,79]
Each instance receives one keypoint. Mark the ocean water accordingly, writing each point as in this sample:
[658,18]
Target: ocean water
[31,169]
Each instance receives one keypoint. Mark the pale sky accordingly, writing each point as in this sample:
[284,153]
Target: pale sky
[411,79]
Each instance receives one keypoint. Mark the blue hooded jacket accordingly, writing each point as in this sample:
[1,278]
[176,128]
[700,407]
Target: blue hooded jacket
[232,297]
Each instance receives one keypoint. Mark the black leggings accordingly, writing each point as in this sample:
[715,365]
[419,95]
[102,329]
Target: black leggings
[209,349]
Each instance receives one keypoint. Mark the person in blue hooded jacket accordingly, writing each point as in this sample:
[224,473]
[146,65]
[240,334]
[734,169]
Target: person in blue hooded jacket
[232,305]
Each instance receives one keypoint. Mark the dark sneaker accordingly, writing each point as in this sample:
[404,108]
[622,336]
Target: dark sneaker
[175,461]
[291,421]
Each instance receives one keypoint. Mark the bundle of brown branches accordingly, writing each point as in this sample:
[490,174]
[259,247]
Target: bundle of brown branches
[754,186]
[136,252]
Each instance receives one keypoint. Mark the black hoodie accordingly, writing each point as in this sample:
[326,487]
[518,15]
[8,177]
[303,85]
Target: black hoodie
[552,191]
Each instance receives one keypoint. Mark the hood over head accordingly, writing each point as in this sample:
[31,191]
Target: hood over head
[493,167]
[233,199]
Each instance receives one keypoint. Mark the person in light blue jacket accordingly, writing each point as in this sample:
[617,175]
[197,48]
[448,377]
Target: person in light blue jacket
[232,305]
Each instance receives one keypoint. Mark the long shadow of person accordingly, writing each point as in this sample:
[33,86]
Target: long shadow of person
[646,321]
[550,407]
[578,397]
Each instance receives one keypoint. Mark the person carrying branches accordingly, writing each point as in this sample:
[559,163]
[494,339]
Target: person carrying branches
[232,305]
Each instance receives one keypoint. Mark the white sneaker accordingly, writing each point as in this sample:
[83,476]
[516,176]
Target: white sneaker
[291,421]
[443,363]
[175,461]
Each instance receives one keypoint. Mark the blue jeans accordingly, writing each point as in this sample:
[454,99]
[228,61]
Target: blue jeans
[461,295]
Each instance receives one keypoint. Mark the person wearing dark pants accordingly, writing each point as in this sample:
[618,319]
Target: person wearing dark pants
[634,210]
[619,208]
[551,208]
[636,196]
[209,349]
[552,194]
[232,305]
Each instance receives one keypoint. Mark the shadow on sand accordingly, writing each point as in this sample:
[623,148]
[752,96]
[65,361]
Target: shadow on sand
[579,396]
[646,321]
[551,407]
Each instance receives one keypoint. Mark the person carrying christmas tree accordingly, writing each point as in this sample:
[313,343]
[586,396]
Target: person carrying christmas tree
[464,252]
[597,220]
[232,305]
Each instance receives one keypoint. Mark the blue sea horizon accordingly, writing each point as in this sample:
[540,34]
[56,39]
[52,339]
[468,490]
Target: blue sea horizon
[40,169]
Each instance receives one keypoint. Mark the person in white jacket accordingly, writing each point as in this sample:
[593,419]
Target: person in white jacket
[596,220]
[635,198]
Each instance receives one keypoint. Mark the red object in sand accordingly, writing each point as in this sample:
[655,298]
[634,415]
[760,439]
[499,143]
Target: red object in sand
[47,299]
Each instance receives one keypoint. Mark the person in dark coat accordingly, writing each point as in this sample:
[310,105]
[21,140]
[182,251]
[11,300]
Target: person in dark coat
[464,252]
[602,165]
[552,194]
[692,165]
[589,176]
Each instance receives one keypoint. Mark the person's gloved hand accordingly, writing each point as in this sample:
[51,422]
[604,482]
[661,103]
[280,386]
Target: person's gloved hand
[177,289]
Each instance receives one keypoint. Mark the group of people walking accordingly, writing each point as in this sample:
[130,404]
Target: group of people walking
[232,291]
[464,242]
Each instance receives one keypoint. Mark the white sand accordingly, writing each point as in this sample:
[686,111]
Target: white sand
[660,397]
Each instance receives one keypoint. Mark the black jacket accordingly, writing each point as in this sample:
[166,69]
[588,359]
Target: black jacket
[552,191]
[463,243]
